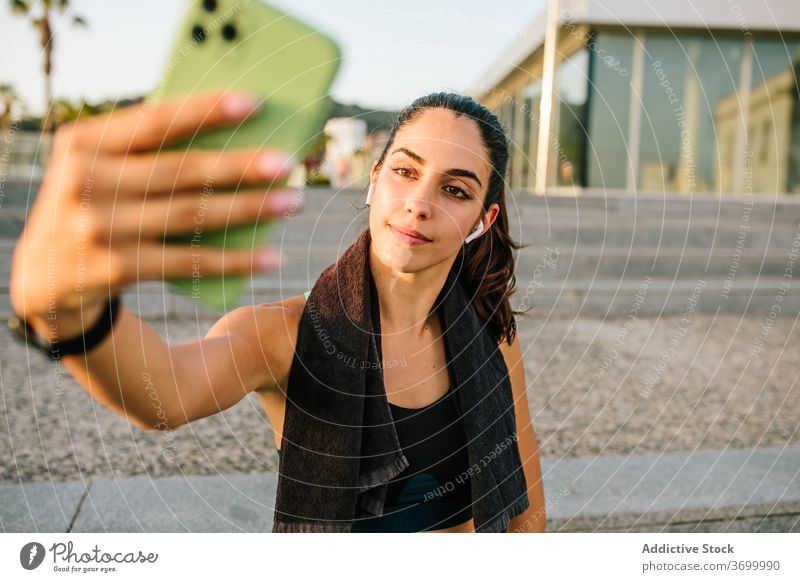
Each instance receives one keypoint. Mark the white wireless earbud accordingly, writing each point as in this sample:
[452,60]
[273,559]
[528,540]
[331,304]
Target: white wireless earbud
[369,192]
[475,233]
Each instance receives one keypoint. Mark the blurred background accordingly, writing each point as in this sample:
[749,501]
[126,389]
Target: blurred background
[655,176]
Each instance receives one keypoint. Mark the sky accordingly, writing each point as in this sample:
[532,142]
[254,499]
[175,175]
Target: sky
[393,52]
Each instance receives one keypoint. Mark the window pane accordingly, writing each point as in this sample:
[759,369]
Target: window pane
[773,125]
[607,151]
[685,80]
[571,83]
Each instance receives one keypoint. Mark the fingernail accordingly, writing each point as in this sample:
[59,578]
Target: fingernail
[274,164]
[284,200]
[239,104]
[267,259]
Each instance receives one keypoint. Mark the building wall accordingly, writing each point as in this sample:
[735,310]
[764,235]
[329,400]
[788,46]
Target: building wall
[674,124]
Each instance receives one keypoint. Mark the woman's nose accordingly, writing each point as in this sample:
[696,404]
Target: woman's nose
[421,200]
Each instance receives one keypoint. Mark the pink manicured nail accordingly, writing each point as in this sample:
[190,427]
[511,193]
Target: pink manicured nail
[273,164]
[284,200]
[267,259]
[239,104]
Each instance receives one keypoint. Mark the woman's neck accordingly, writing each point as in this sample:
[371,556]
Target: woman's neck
[406,299]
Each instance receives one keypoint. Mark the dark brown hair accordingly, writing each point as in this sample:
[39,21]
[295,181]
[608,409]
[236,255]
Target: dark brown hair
[487,263]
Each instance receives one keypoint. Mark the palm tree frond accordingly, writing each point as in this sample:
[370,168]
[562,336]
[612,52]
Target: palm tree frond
[20,6]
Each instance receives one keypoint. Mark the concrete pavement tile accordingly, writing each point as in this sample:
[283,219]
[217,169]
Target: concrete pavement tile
[220,503]
[39,507]
[617,491]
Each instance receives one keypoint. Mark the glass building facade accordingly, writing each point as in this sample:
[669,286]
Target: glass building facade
[663,111]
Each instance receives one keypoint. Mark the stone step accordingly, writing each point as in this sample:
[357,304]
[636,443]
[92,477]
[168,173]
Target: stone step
[537,285]
[22,193]
[668,206]
[646,238]
[643,237]
[740,490]
[585,264]
[718,249]
[575,298]
[542,224]
[587,254]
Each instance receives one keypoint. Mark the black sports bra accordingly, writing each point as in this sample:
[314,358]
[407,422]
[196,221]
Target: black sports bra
[433,492]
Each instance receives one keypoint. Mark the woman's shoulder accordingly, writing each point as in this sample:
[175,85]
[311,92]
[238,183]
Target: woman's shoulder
[280,315]
[290,309]
[277,325]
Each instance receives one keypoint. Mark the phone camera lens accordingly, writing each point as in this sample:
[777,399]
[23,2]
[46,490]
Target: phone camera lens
[198,33]
[210,5]
[229,31]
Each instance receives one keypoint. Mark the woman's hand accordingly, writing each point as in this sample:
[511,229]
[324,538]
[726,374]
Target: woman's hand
[109,197]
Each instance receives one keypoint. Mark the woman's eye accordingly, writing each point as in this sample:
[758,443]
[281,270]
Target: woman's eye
[463,194]
[458,192]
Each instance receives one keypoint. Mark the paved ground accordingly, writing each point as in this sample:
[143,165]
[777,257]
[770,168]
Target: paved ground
[596,387]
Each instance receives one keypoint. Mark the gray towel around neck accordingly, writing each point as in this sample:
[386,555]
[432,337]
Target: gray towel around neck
[339,445]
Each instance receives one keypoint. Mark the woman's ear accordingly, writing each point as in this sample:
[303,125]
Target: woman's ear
[493,212]
[373,173]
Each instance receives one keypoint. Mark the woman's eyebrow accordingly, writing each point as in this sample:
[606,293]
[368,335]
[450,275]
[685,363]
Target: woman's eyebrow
[455,172]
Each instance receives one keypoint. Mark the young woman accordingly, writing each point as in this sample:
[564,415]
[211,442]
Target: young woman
[109,197]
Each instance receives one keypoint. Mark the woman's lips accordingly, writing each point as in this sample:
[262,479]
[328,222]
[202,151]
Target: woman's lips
[407,238]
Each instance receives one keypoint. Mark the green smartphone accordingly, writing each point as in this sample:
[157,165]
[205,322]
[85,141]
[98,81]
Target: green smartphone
[247,45]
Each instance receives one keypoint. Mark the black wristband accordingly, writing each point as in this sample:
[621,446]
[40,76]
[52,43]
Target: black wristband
[74,346]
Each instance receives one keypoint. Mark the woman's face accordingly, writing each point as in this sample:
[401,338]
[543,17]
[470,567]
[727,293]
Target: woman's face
[433,180]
